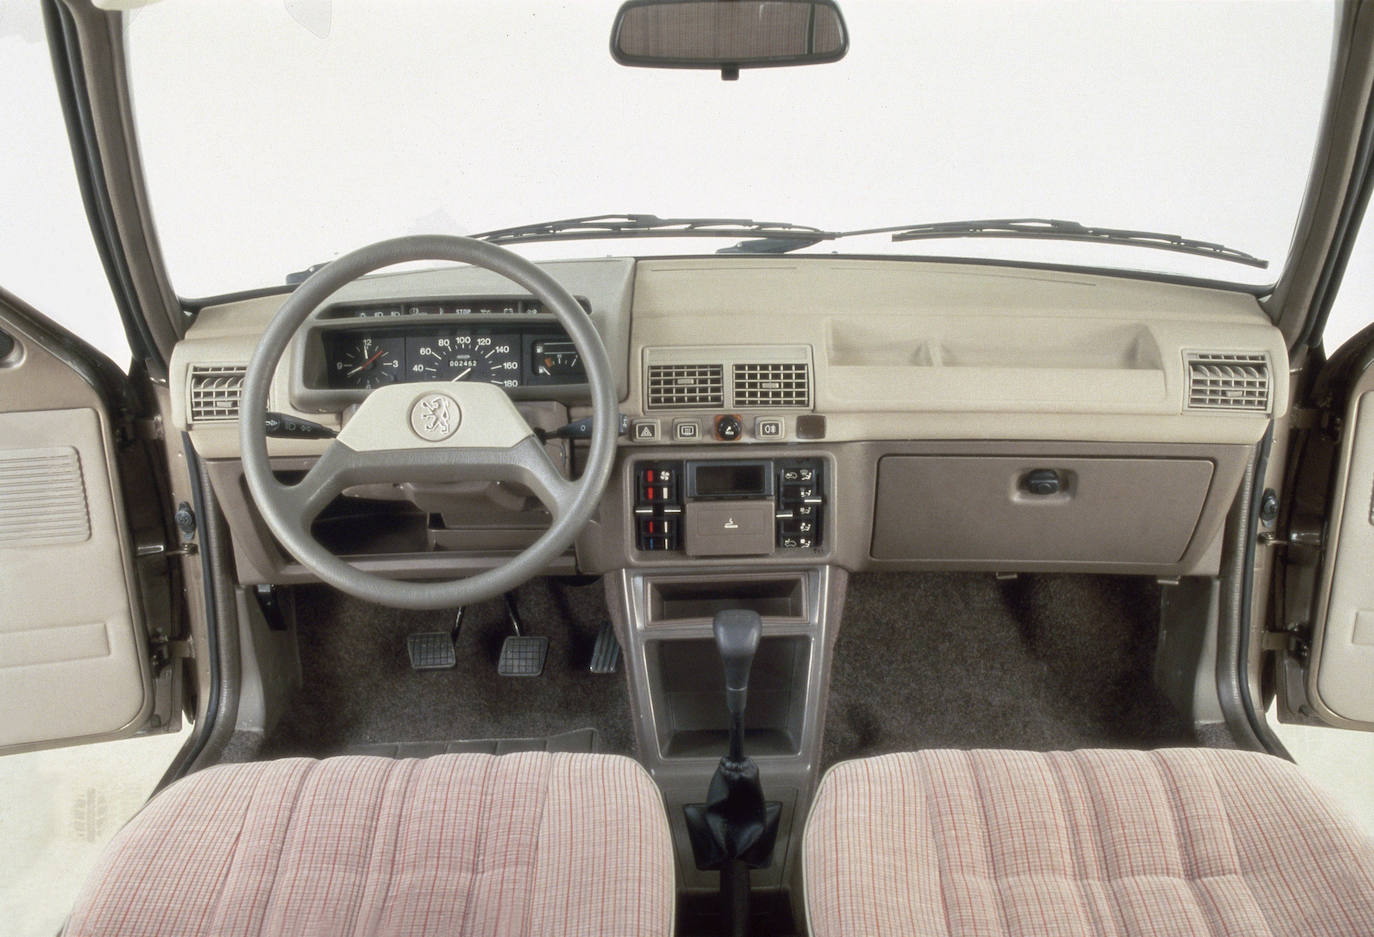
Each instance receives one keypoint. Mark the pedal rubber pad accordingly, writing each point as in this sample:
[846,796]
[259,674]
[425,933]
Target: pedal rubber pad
[523,656]
[431,650]
[606,652]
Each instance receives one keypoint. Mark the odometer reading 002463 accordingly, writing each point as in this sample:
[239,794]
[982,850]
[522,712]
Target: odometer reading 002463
[441,355]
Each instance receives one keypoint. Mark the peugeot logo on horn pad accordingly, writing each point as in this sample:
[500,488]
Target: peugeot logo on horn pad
[435,417]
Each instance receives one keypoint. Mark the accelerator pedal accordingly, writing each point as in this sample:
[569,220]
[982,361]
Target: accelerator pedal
[606,651]
[522,655]
[435,650]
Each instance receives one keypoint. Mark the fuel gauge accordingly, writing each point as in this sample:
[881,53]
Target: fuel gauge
[558,361]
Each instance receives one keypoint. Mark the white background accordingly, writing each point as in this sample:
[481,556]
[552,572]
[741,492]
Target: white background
[1212,156]
[1196,136]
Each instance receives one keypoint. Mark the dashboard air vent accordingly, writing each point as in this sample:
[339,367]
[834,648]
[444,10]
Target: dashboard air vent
[683,386]
[1227,381]
[775,384]
[215,391]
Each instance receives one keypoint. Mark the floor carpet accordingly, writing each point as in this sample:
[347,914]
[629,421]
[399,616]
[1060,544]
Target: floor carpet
[946,660]
[922,661]
[359,688]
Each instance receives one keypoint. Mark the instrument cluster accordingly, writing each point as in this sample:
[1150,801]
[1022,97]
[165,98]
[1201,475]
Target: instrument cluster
[505,356]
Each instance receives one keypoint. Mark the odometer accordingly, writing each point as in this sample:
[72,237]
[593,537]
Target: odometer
[438,358]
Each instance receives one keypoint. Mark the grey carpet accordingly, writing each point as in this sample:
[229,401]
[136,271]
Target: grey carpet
[945,660]
[359,688]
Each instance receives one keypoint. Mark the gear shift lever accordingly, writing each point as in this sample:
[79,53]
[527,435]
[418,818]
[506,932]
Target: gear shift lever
[737,639]
[734,831]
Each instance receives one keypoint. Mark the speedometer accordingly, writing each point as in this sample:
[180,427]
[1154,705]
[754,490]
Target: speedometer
[498,360]
[463,356]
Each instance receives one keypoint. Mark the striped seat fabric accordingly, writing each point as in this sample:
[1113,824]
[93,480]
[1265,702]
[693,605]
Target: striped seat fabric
[1169,843]
[532,843]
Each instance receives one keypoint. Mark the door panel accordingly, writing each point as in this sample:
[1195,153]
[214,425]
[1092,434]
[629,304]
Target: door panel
[1340,679]
[74,656]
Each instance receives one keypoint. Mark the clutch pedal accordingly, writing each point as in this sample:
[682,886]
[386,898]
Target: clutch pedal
[435,650]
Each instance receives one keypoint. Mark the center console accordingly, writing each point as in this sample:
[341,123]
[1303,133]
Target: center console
[729,507]
[664,621]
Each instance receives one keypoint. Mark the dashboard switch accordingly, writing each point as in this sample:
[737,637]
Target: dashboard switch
[768,427]
[728,428]
[686,430]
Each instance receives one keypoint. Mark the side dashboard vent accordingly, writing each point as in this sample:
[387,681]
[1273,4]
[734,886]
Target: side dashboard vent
[215,392]
[683,386]
[1226,381]
[774,384]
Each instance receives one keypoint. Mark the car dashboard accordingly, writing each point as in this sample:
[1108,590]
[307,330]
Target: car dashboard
[783,412]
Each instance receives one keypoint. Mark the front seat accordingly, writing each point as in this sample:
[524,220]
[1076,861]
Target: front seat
[530,843]
[1121,843]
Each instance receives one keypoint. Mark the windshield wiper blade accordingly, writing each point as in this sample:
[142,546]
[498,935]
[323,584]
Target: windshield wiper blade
[1055,229]
[630,225]
[776,245]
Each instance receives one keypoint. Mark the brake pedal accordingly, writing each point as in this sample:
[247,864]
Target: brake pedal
[435,650]
[431,650]
[606,652]
[523,655]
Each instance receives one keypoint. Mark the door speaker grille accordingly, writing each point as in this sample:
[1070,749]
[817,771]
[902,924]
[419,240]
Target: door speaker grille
[42,497]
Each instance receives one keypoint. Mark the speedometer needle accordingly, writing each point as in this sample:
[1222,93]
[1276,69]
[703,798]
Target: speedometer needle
[459,377]
[366,363]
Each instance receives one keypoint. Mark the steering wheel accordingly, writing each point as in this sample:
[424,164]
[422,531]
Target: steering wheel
[428,432]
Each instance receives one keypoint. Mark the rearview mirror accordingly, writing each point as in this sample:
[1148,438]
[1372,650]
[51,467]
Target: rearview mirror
[728,34]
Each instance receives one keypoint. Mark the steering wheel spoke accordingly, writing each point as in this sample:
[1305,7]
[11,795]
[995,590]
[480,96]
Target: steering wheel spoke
[544,477]
[302,502]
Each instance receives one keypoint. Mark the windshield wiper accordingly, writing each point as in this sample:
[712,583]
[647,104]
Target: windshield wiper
[790,236]
[1054,229]
[780,237]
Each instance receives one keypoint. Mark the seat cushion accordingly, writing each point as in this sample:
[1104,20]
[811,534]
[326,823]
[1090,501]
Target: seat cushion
[1136,844]
[531,843]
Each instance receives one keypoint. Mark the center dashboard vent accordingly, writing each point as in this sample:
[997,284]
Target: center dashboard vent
[684,386]
[772,384]
[215,392]
[1227,381]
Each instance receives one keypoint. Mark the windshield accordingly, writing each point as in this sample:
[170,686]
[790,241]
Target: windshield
[278,135]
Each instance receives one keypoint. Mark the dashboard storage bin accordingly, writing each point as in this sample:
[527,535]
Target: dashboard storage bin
[1008,511]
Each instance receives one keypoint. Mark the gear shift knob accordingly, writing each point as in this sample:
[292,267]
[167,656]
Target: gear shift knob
[737,638]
